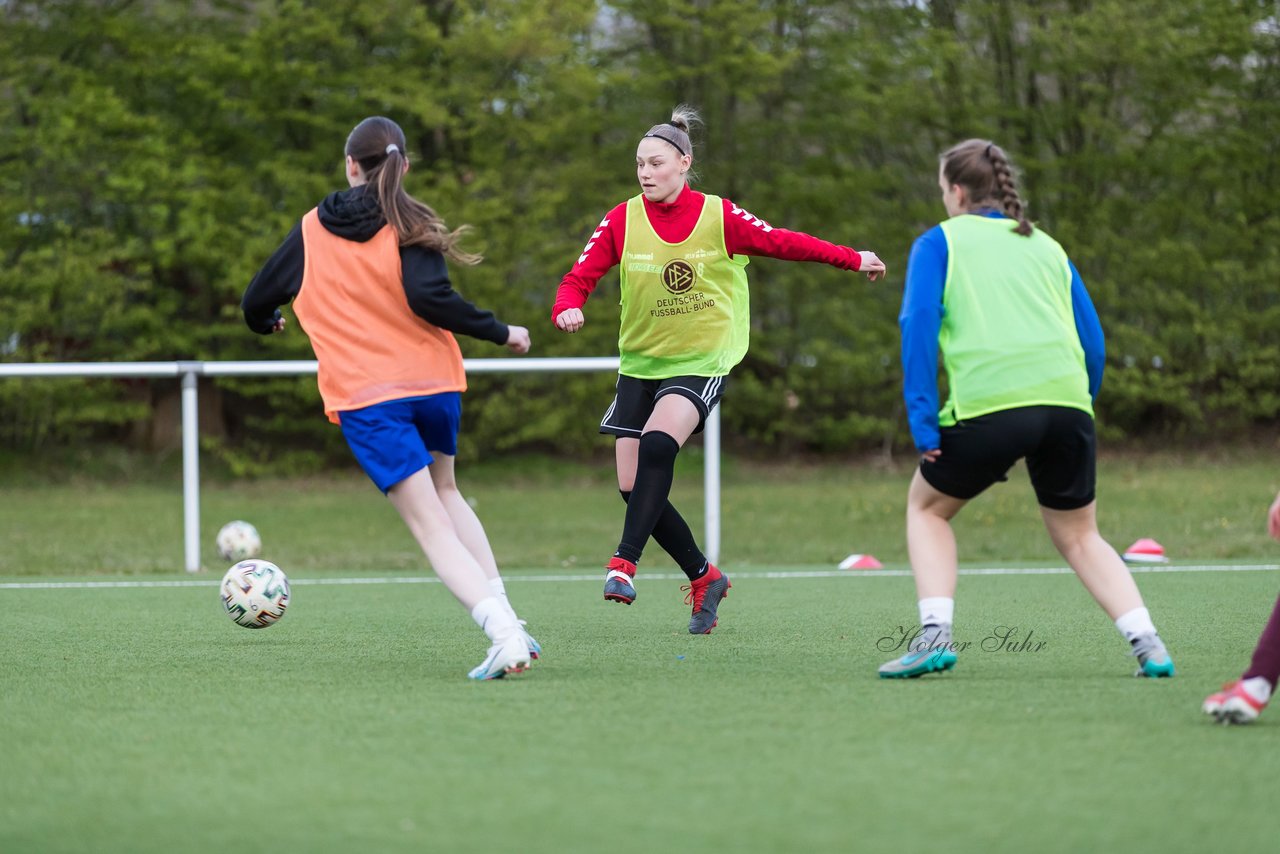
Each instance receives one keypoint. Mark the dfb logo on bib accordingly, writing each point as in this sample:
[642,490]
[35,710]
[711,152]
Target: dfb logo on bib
[677,276]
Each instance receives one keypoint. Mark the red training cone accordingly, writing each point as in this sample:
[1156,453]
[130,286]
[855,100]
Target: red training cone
[1145,550]
[861,562]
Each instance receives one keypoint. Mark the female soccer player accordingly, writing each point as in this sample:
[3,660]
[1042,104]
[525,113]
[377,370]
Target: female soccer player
[1241,701]
[366,273]
[685,323]
[1023,352]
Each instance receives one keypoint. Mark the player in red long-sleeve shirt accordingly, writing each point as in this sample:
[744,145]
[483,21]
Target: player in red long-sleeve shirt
[685,324]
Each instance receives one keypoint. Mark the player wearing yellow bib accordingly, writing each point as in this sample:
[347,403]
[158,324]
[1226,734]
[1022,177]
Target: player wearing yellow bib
[685,323]
[1023,353]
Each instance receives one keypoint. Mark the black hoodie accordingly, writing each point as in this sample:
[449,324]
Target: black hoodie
[354,215]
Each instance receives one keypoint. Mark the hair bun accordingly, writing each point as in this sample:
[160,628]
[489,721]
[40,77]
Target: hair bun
[685,118]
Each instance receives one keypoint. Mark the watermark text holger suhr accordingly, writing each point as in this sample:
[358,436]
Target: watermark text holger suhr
[999,639]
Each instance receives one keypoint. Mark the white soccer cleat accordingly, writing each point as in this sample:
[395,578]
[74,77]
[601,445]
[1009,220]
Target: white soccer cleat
[510,655]
[535,648]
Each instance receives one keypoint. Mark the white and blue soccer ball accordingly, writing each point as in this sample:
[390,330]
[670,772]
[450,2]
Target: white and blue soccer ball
[238,540]
[255,593]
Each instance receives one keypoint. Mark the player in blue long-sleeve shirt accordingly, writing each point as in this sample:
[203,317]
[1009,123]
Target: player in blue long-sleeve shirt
[921,319]
[1023,352]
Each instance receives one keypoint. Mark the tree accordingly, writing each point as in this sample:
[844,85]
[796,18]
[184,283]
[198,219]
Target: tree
[157,152]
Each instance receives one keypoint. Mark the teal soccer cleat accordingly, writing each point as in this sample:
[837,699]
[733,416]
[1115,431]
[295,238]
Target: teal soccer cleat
[1153,659]
[919,663]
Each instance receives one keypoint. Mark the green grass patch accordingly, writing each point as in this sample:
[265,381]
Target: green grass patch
[543,513]
[143,720]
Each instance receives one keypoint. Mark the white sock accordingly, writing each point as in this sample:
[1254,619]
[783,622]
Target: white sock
[500,590]
[495,618]
[1258,687]
[937,611]
[1136,622]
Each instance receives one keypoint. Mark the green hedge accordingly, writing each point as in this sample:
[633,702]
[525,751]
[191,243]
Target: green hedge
[154,157]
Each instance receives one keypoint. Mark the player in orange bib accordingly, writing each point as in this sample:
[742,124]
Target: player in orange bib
[366,273]
[685,323]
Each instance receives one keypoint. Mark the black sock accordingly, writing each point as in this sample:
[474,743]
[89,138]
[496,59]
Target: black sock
[673,534]
[655,469]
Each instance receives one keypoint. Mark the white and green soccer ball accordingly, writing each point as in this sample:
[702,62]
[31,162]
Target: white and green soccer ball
[255,593]
[238,540]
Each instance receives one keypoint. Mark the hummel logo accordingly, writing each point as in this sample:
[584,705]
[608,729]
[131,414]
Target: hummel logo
[751,218]
[594,237]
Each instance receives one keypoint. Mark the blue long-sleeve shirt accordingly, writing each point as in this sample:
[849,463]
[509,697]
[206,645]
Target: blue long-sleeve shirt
[921,319]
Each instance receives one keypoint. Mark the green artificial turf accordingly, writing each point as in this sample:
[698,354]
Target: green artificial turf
[140,719]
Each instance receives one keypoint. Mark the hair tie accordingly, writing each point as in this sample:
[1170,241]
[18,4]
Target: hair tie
[392,147]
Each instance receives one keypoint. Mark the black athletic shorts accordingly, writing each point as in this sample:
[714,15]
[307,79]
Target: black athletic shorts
[1058,442]
[633,403]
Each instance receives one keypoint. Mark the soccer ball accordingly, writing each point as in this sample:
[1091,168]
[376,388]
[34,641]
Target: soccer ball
[238,540]
[255,593]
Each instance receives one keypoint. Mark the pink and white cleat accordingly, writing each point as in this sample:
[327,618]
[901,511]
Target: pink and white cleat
[1238,702]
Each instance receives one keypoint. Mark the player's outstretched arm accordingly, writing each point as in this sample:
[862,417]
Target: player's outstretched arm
[570,320]
[274,285]
[518,340]
[1273,518]
[747,234]
[871,265]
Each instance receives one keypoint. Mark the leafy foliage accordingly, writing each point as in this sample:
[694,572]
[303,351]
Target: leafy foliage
[157,152]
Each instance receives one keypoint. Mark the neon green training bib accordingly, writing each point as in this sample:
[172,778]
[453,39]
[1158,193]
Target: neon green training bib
[1008,336]
[685,309]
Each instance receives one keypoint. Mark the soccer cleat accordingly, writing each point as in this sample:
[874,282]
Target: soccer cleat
[918,663]
[1153,659]
[705,595]
[1234,704]
[535,648]
[507,656]
[620,581]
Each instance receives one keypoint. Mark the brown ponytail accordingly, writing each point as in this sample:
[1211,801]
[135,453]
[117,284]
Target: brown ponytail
[378,145]
[984,170]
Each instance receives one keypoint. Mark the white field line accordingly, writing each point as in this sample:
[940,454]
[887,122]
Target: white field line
[658,576]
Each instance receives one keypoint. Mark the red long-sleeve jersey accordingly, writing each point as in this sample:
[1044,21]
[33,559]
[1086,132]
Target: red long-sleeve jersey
[744,234]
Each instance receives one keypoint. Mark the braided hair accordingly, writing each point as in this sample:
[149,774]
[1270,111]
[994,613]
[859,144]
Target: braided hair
[984,170]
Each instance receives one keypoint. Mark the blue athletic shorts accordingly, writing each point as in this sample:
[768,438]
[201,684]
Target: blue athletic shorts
[395,439]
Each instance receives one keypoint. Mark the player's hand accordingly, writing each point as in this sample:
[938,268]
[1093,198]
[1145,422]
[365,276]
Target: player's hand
[570,320]
[518,340]
[871,265]
[931,455]
[1273,519]
[278,326]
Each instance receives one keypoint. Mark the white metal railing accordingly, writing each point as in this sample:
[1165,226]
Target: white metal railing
[190,371]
